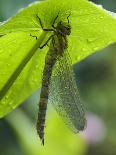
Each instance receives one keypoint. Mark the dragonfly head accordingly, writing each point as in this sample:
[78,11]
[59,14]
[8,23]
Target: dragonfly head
[63,28]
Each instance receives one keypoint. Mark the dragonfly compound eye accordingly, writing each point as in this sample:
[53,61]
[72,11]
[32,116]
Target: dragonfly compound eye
[67,29]
[63,29]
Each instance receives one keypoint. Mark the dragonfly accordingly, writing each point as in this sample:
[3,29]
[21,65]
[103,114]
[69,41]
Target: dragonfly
[58,81]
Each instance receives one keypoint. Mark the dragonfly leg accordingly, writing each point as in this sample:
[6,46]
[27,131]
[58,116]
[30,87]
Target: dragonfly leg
[46,43]
[68,18]
[41,24]
[53,41]
[33,36]
[55,21]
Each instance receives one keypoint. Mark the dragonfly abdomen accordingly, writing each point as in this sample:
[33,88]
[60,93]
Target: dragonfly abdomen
[49,63]
[41,118]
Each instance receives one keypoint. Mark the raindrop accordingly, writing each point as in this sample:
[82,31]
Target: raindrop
[10,55]
[13,107]
[84,49]
[34,80]
[101,17]
[10,103]
[6,97]
[8,64]
[1,51]
[95,48]
[3,102]
[37,66]
[91,40]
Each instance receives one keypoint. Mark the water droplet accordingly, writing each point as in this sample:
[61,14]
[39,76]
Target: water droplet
[101,17]
[34,80]
[1,51]
[95,48]
[37,66]
[13,107]
[8,64]
[6,97]
[91,40]
[84,49]
[3,102]
[10,103]
[10,54]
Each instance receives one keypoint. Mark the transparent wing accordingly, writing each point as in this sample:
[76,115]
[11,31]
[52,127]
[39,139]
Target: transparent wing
[64,94]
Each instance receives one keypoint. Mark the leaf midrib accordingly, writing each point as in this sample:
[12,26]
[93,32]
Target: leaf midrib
[21,66]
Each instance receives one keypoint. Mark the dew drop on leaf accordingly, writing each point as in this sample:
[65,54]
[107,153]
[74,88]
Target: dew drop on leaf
[8,64]
[89,40]
[1,51]
[95,48]
[101,17]
[37,66]
[6,97]
[84,49]
[3,102]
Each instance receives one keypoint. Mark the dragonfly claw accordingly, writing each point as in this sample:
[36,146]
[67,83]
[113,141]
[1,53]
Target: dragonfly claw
[42,141]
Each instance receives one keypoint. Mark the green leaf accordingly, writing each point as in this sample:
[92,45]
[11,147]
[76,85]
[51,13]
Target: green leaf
[21,60]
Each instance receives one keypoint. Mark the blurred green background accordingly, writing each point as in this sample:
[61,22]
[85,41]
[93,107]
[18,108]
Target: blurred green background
[96,77]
